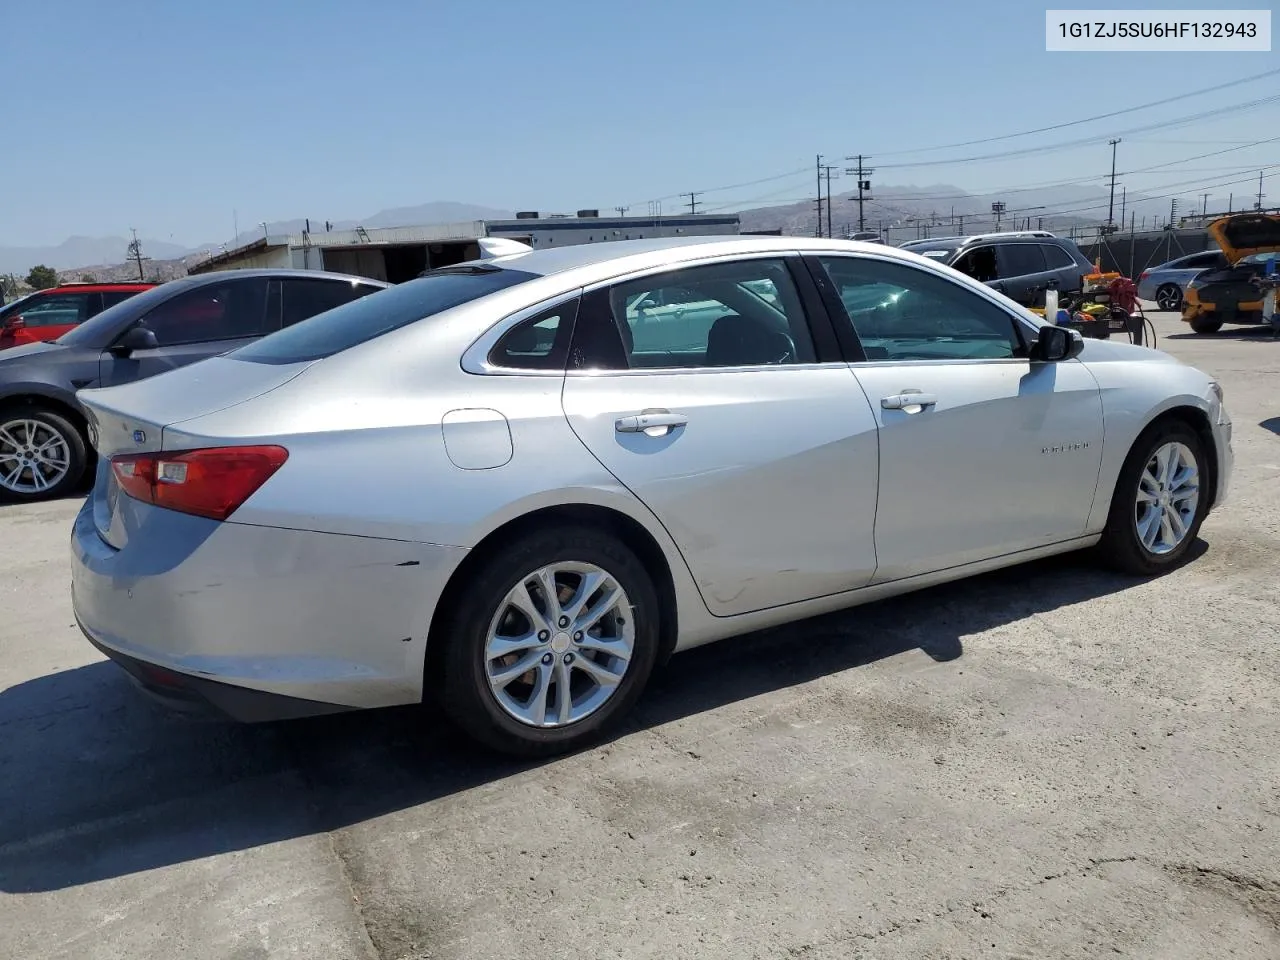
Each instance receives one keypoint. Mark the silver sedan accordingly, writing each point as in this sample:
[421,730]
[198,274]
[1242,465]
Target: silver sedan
[499,485]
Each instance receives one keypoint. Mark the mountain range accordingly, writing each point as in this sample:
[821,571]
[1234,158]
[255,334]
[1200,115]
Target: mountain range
[84,253]
[903,212]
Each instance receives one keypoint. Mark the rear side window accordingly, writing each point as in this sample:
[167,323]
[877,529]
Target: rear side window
[111,297]
[539,343]
[303,299]
[1020,259]
[1055,258]
[369,317]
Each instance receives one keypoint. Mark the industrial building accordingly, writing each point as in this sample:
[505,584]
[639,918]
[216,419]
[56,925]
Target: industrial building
[397,254]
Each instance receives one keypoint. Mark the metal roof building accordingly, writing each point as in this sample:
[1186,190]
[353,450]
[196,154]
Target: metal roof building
[397,254]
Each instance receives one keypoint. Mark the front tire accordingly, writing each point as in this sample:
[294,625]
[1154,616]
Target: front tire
[1206,325]
[42,454]
[1159,503]
[549,643]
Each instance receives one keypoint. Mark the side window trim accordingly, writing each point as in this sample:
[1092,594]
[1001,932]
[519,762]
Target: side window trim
[854,350]
[475,359]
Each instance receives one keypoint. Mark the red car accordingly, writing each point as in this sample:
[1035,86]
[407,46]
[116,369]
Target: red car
[48,314]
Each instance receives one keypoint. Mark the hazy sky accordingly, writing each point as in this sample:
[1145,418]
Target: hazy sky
[166,115]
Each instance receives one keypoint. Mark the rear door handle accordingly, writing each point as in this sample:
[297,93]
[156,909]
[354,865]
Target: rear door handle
[908,399]
[656,420]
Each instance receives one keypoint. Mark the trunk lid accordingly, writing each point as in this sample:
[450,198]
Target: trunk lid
[1245,234]
[132,418]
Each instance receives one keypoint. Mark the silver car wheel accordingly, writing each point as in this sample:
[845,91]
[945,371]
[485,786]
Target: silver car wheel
[33,456]
[559,645]
[1168,494]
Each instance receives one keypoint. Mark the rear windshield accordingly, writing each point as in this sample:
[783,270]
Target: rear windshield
[361,320]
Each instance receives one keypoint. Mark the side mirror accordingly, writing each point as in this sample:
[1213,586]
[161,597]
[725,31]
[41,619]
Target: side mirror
[1054,344]
[648,303]
[135,338]
[14,323]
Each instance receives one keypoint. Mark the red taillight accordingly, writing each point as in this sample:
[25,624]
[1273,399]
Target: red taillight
[208,483]
[1144,274]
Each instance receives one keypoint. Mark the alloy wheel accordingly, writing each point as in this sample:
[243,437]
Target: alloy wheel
[1168,495]
[559,645]
[34,457]
[1169,297]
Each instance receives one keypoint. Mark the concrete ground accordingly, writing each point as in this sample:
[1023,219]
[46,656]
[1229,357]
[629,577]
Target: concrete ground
[1048,762]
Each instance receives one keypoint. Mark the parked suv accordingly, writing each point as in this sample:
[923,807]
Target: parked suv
[1020,265]
[48,314]
[44,445]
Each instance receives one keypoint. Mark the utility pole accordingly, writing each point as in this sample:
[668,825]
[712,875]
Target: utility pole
[1124,197]
[622,211]
[135,253]
[1173,210]
[1258,205]
[998,209]
[1231,197]
[1204,205]
[1112,202]
[826,173]
[693,201]
[862,172]
[818,165]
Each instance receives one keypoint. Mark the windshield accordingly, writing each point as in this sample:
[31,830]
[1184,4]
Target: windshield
[92,330]
[362,320]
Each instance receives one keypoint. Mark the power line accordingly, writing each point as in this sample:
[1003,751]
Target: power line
[1086,141]
[1074,123]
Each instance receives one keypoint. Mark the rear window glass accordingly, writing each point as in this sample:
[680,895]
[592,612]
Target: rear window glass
[362,320]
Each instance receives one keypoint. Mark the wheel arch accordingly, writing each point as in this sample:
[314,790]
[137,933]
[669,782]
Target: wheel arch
[626,528]
[59,405]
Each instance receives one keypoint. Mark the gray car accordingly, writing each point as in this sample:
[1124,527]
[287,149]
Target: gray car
[1167,284]
[499,486]
[44,446]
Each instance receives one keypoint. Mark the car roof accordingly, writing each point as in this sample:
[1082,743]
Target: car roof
[589,262]
[276,273]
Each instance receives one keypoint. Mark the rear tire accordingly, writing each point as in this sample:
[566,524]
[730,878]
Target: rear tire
[596,669]
[1169,297]
[1160,500]
[1206,325]
[42,454]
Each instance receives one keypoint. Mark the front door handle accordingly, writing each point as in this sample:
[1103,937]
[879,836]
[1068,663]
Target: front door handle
[661,422]
[913,401]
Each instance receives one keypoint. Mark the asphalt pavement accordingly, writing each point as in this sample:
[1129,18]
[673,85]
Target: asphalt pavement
[1047,762]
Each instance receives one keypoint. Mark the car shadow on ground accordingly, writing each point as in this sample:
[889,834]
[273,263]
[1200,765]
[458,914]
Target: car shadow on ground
[96,782]
[1262,332]
[1273,425]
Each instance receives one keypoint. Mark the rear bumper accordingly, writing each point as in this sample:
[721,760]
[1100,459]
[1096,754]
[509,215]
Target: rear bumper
[258,622]
[200,696]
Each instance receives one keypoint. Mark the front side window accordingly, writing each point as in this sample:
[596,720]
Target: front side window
[902,313]
[226,310]
[744,313]
[979,263]
[57,310]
